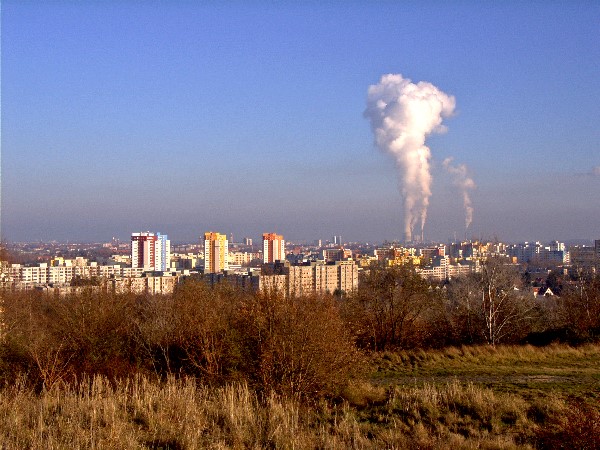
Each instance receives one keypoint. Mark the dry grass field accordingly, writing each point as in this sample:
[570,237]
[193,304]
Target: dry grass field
[465,398]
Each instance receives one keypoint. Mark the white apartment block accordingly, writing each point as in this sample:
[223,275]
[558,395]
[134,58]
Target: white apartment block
[348,276]
[300,281]
[60,272]
[342,276]
[152,285]
[240,258]
[441,269]
[150,251]
[27,277]
[272,283]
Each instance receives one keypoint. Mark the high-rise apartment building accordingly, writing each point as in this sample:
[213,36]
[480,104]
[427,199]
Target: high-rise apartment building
[273,248]
[321,277]
[150,251]
[216,252]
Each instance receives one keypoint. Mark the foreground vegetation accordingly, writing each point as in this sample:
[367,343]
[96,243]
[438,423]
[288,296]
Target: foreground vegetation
[399,364]
[423,413]
[559,371]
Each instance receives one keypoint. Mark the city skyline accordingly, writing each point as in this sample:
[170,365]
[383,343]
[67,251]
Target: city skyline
[244,118]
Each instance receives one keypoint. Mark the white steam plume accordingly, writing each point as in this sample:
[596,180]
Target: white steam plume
[402,115]
[464,183]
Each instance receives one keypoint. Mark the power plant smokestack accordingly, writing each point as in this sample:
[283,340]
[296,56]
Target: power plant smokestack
[402,115]
[464,183]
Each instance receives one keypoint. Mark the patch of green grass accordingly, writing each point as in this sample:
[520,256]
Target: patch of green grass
[528,371]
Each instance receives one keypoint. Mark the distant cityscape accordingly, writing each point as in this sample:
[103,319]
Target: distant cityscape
[149,263]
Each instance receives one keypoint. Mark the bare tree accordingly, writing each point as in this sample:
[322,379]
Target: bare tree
[156,331]
[390,307]
[580,304]
[491,306]
[464,310]
[503,306]
[206,333]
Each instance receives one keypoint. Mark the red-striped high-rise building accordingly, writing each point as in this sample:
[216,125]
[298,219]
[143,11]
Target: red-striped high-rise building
[273,248]
[150,251]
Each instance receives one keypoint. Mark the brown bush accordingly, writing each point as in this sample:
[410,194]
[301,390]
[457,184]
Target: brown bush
[206,329]
[61,338]
[97,327]
[578,427]
[29,345]
[297,347]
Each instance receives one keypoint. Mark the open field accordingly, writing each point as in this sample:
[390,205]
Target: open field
[531,372]
[467,398]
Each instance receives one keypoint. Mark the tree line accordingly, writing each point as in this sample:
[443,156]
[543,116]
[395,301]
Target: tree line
[307,347]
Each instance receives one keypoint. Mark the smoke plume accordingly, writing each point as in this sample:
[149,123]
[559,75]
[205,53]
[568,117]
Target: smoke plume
[464,183]
[402,115]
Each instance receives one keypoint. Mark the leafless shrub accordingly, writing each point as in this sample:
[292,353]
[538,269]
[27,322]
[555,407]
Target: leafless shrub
[62,338]
[207,332]
[578,427]
[391,309]
[297,347]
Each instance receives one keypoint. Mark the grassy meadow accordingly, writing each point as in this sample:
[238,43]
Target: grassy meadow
[531,372]
[465,398]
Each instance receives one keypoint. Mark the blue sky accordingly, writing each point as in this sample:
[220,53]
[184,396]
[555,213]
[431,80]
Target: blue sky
[247,117]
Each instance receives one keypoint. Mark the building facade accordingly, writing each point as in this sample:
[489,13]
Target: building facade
[320,277]
[583,258]
[273,248]
[216,252]
[150,251]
